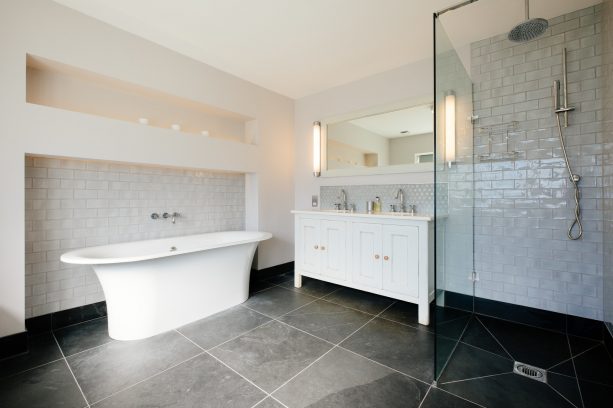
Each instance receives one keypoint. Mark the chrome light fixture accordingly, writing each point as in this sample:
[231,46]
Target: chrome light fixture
[450,131]
[316,149]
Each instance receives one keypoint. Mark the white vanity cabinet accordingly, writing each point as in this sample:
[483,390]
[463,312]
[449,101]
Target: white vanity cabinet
[386,254]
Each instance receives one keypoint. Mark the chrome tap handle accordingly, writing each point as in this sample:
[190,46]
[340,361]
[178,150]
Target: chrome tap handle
[155,216]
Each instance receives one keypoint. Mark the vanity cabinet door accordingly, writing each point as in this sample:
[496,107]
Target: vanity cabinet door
[401,259]
[308,252]
[366,255]
[333,249]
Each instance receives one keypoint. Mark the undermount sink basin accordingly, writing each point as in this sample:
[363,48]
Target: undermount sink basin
[348,213]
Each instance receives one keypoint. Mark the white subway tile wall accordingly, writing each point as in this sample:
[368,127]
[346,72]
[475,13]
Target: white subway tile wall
[524,206]
[73,204]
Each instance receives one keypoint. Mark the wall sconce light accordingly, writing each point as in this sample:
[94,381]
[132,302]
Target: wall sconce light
[316,149]
[450,127]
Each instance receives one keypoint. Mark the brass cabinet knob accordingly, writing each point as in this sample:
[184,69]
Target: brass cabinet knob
[376,256]
[323,248]
[386,258]
[316,246]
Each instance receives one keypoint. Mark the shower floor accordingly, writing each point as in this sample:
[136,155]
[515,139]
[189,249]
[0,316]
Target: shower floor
[579,370]
[318,346]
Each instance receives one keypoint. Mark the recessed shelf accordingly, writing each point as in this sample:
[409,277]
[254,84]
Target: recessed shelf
[62,86]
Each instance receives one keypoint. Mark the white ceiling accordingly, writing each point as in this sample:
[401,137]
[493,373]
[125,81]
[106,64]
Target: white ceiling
[416,120]
[301,47]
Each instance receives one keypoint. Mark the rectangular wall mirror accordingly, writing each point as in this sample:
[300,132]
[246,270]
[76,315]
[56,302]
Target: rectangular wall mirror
[383,140]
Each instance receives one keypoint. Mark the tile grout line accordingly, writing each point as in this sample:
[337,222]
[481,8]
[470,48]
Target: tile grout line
[572,359]
[425,396]
[458,396]
[455,346]
[146,379]
[495,338]
[476,378]
[31,368]
[71,372]
[567,400]
[226,365]
[333,347]
[575,356]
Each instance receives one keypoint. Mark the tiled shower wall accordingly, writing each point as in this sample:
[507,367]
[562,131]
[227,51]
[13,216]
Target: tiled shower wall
[420,195]
[524,205]
[74,203]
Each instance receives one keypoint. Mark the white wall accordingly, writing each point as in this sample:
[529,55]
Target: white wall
[45,29]
[360,138]
[404,149]
[410,82]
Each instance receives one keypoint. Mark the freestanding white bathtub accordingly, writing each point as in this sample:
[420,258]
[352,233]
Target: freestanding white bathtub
[158,285]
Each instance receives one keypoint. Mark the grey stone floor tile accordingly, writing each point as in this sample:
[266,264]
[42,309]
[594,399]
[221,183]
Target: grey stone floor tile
[223,326]
[80,337]
[344,379]
[277,301]
[313,287]
[47,386]
[111,367]
[199,382]
[326,320]
[271,354]
[401,347]
[363,301]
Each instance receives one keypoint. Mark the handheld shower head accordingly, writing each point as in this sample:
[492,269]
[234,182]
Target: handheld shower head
[528,29]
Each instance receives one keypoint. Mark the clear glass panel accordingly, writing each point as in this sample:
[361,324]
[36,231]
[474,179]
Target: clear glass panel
[454,197]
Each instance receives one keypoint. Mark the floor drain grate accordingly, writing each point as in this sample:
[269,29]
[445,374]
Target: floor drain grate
[529,371]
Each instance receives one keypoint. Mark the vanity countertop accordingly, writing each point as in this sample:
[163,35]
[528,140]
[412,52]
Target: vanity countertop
[347,213]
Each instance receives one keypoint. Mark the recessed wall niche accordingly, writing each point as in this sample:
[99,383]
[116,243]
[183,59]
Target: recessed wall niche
[62,86]
[73,203]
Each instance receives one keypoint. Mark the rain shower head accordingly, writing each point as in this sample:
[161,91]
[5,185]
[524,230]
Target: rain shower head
[528,29]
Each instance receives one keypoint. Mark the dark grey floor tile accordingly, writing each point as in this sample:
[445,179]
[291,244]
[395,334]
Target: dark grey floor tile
[580,344]
[327,320]
[271,354]
[200,382]
[111,367]
[454,328]
[344,379]
[284,277]
[313,287]
[42,349]
[79,337]
[440,399]
[363,301]
[477,335]
[567,386]
[277,301]
[403,312]
[530,345]
[47,386]
[564,368]
[595,365]
[223,326]
[470,362]
[401,347]
[269,403]
[595,395]
[507,391]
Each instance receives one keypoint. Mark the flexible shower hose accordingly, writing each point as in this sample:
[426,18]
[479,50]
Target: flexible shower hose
[574,178]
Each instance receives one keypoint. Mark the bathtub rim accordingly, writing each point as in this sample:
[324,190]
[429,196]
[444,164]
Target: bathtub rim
[82,256]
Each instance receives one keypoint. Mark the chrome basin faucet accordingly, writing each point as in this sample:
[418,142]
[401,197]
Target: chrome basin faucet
[400,197]
[343,198]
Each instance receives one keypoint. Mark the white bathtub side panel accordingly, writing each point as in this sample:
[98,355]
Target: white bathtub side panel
[150,297]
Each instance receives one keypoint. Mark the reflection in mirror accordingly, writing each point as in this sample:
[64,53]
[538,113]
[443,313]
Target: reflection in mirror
[398,137]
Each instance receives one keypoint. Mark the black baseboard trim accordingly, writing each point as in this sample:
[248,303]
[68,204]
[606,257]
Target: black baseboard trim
[13,345]
[63,318]
[574,325]
[272,271]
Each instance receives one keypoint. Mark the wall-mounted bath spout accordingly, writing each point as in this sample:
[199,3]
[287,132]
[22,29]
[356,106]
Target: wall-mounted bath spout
[174,215]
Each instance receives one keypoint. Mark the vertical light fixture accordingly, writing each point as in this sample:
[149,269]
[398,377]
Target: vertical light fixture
[316,149]
[450,127]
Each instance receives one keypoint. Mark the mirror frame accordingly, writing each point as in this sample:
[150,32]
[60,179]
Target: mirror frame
[367,171]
